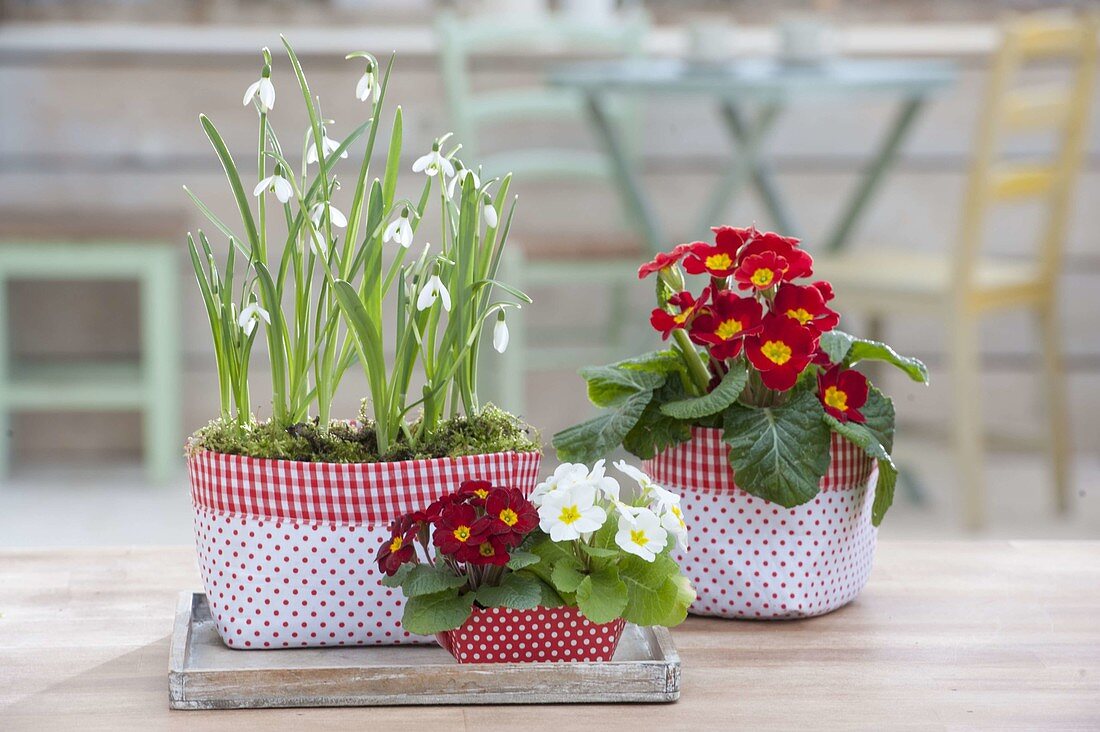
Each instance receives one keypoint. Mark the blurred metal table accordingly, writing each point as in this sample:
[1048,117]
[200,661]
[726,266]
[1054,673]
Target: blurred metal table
[769,86]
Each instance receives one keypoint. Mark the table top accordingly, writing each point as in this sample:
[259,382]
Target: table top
[759,79]
[994,635]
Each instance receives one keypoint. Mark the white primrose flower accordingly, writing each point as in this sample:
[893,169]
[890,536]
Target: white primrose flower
[368,85]
[460,177]
[672,521]
[605,484]
[640,533]
[567,513]
[651,492]
[565,476]
[433,163]
[250,315]
[400,230]
[500,334]
[327,144]
[277,183]
[433,288]
[263,90]
[335,217]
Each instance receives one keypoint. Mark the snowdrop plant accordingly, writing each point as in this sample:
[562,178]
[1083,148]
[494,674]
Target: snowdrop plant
[306,267]
[606,548]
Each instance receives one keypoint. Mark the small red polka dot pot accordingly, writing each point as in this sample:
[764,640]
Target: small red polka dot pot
[501,635]
[752,559]
[286,549]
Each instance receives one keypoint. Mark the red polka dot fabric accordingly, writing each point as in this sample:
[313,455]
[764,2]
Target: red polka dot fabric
[501,635]
[277,576]
[752,559]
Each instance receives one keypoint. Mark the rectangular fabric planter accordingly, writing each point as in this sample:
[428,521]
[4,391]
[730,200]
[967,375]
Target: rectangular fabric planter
[501,635]
[286,549]
[749,558]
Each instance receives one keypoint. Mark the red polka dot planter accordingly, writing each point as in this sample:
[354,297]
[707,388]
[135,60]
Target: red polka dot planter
[753,559]
[286,549]
[500,635]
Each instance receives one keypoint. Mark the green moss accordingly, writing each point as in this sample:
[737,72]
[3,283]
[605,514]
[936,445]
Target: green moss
[491,431]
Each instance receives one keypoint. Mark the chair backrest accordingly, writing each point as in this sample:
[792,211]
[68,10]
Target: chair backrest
[473,114]
[1061,109]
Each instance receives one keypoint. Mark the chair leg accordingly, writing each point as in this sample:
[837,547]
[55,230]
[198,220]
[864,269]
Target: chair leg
[6,437]
[160,325]
[1054,386]
[967,419]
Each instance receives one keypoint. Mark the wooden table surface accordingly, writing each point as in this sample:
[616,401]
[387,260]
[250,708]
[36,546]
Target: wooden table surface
[997,635]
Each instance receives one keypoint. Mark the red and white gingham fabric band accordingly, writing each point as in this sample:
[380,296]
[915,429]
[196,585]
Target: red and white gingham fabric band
[335,493]
[701,464]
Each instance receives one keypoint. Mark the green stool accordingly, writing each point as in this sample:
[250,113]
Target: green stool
[151,385]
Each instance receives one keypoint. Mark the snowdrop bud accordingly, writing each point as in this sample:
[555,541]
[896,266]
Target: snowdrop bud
[490,213]
[500,333]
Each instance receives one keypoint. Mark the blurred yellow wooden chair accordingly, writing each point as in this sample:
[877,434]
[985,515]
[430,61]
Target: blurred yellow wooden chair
[963,285]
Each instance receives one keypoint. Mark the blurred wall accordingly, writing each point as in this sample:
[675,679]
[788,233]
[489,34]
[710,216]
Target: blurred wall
[106,118]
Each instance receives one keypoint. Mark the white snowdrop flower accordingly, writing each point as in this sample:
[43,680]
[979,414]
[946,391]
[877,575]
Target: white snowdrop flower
[565,475]
[433,163]
[567,513]
[433,288]
[641,534]
[277,183]
[250,315]
[368,85]
[500,334]
[400,230]
[328,144]
[490,213]
[320,244]
[335,217]
[263,90]
[459,179]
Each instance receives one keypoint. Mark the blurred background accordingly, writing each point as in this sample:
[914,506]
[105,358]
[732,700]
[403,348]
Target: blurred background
[931,156]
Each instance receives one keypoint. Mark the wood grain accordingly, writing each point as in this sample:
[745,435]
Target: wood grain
[953,635]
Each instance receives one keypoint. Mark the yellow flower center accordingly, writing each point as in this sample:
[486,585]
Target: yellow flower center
[777,352]
[396,544]
[569,515]
[728,329]
[762,277]
[679,318]
[719,261]
[638,537]
[462,533]
[481,493]
[836,398]
[486,550]
[509,517]
[800,315]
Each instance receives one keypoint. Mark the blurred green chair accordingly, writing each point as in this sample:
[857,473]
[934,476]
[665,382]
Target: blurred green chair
[964,286]
[529,263]
[72,247]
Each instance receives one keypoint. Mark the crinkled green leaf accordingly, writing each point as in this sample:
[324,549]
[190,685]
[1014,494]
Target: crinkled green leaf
[779,453]
[848,350]
[430,614]
[601,596]
[600,551]
[566,575]
[521,559]
[609,386]
[518,591]
[668,361]
[723,395]
[594,439]
[879,415]
[655,595]
[884,490]
[395,579]
[425,579]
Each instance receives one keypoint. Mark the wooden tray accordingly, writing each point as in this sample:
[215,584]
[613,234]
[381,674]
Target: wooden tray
[205,674]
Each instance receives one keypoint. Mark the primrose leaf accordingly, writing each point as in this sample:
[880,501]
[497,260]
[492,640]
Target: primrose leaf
[594,439]
[518,591]
[430,614]
[521,559]
[566,576]
[424,579]
[884,490]
[779,453]
[723,395]
[609,386]
[601,596]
